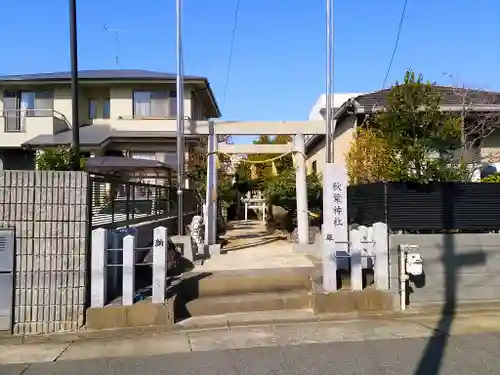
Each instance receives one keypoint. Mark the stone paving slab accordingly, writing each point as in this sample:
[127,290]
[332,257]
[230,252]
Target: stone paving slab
[209,340]
[239,337]
[252,246]
[31,353]
[277,254]
[146,346]
[249,318]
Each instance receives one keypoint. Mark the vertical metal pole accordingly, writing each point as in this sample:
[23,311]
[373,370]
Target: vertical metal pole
[332,86]
[328,135]
[75,126]
[180,121]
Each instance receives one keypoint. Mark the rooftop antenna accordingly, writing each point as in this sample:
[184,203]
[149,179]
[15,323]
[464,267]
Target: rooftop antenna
[116,39]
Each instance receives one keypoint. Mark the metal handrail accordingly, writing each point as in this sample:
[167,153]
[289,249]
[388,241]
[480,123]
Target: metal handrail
[135,117]
[52,111]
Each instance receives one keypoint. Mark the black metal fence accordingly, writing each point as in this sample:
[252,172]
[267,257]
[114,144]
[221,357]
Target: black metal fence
[115,200]
[430,207]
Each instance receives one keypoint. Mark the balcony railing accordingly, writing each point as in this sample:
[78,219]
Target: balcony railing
[15,119]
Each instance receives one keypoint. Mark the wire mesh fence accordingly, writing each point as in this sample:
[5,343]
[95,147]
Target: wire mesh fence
[115,200]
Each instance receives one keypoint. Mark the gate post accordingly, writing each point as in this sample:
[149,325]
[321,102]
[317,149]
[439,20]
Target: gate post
[335,226]
[98,267]
[160,244]
[356,252]
[380,236]
[128,286]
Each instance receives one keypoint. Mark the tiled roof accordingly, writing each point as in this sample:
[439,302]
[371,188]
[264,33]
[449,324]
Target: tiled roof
[449,96]
[116,74]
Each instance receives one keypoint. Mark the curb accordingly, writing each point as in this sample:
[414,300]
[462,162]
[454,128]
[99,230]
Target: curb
[70,337]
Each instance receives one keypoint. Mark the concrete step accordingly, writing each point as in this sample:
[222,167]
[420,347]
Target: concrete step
[344,301]
[294,300]
[239,282]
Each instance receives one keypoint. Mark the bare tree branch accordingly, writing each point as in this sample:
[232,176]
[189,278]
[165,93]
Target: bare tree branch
[477,126]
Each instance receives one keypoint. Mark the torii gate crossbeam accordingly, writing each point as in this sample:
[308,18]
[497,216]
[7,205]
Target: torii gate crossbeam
[194,127]
[301,184]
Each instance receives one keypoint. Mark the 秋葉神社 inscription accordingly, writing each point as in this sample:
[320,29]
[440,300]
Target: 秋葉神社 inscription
[335,229]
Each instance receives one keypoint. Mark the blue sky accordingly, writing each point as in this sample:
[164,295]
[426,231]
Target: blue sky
[278,63]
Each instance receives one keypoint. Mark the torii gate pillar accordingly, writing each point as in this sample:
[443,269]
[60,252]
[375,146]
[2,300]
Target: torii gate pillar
[211,198]
[301,191]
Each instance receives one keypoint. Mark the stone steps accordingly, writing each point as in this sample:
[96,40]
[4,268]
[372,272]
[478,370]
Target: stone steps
[242,291]
[256,302]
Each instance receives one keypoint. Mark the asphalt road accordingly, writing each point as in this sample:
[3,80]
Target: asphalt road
[464,355]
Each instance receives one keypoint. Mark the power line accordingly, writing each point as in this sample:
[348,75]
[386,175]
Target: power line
[395,44]
[231,48]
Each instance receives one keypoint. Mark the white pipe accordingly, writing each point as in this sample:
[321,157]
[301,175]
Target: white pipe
[402,279]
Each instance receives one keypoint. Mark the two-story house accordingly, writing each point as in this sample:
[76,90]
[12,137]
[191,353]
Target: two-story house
[121,112]
[315,144]
[352,109]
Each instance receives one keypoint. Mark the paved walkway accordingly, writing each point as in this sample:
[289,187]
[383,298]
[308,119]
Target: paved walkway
[457,355]
[252,246]
[278,335]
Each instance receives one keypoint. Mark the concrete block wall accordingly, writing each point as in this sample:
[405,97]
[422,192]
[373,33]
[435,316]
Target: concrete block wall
[48,211]
[460,267]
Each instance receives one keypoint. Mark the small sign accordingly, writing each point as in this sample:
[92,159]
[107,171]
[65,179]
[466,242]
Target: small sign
[335,217]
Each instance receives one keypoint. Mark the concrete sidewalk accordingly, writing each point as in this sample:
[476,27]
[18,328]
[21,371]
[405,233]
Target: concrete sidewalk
[271,335]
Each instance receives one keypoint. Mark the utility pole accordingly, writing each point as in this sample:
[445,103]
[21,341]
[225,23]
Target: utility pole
[75,125]
[180,121]
[329,123]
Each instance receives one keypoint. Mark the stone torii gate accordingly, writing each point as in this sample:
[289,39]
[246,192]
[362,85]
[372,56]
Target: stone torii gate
[296,128]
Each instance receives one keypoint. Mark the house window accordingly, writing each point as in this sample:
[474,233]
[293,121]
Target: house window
[99,109]
[43,104]
[196,107]
[106,108]
[154,104]
[172,103]
[18,105]
[315,167]
[93,109]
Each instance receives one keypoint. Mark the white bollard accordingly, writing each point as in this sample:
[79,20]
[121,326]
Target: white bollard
[128,286]
[356,266]
[98,268]
[381,249]
[160,245]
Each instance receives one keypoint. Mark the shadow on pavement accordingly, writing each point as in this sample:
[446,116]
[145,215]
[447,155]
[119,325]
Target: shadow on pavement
[433,355]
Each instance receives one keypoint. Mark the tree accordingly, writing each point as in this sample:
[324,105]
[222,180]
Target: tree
[243,179]
[57,159]
[370,158]
[264,170]
[423,138]
[477,122]
[281,191]
[196,171]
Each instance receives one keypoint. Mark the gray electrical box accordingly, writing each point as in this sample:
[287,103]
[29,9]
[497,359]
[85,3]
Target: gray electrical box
[7,257]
